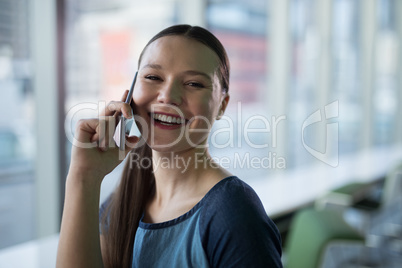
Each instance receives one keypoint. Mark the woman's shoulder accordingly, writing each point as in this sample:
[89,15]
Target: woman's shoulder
[233,222]
[231,193]
[234,204]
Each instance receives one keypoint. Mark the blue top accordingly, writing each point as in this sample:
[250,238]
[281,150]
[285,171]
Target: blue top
[227,228]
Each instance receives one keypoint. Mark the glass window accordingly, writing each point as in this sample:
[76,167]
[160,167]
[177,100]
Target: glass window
[345,73]
[242,28]
[302,97]
[385,104]
[17,148]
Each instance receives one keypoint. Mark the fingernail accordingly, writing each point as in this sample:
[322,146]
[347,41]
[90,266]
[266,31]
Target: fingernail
[130,115]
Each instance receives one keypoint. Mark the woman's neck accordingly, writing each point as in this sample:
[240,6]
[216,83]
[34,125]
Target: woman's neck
[185,174]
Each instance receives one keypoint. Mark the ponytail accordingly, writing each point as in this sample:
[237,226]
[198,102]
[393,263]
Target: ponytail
[121,218]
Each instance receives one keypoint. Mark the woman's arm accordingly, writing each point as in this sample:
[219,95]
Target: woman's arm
[93,156]
[79,244]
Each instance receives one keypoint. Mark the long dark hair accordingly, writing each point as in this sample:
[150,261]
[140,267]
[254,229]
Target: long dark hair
[120,220]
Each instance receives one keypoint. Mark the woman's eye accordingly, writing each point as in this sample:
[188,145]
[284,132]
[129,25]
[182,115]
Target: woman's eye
[152,77]
[195,84]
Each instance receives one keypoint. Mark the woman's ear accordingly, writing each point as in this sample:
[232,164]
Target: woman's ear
[223,106]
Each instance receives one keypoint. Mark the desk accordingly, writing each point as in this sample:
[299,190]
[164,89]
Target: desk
[291,190]
[40,253]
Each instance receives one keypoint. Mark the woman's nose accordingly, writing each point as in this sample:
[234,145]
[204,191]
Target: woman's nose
[170,93]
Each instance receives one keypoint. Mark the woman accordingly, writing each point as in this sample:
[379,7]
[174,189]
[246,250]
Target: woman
[183,210]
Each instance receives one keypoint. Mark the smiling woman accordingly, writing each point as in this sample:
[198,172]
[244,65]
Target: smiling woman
[187,211]
[180,75]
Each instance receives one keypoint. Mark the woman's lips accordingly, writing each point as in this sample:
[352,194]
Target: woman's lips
[166,126]
[168,121]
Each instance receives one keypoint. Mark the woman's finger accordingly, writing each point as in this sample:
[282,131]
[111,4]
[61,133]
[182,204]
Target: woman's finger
[118,107]
[105,131]
[101,131]
[111,107]
[85,129]
[124,97]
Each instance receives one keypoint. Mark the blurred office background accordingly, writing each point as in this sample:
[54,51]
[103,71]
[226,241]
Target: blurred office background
[289,58]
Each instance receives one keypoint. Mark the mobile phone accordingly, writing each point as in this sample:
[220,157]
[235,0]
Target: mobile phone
[126,126]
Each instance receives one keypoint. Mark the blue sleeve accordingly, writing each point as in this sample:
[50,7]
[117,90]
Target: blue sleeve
[236,231]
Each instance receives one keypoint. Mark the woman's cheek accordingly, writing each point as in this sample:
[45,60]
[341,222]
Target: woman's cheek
[140,97]
[202,122]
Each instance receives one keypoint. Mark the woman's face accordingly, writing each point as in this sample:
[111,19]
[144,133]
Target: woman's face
[178,94]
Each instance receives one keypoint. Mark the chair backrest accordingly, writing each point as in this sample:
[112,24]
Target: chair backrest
[310,231]
[392,186]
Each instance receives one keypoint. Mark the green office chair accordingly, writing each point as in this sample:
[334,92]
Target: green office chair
[311,231]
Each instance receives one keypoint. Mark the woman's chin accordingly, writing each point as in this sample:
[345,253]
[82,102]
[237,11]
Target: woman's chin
[175,147]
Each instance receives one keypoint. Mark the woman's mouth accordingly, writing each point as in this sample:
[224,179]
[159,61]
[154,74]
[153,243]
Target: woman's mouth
[167,121]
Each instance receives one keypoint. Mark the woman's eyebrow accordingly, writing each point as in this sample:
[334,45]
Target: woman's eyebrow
[194,72]
[188,72]
[152,66]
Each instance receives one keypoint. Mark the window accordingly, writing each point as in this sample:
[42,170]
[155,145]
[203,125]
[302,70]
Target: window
[345,80]
[241,26]
[303,79]
[17,138]
[385,95]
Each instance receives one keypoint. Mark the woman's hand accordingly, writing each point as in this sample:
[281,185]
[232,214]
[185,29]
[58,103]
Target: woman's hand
[94,152]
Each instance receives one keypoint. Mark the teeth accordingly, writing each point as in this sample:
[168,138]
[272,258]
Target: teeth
[167,119]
